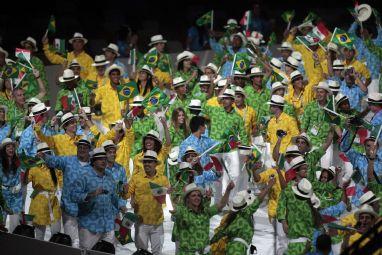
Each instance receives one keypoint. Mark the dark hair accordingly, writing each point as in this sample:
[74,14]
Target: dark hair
[157,144]
[324,243]
[104,246]
[196,122]
[174,120]
[330,175]
[195,112]
[149,84]
[9,166]
[53,175]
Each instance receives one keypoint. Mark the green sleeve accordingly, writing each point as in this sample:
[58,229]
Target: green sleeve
[305,118]
[212,210]
[281,207]
[374,49]
[253,207]
[242,133]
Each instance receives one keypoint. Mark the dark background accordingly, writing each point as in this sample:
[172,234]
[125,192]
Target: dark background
[104,21]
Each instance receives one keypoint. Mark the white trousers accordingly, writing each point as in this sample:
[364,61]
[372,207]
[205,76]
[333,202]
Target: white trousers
[89,239]
[40,230]
[282,240]
[327,159]
[231,161]
[373,86]
[154,233]
[14,221]
[70,227]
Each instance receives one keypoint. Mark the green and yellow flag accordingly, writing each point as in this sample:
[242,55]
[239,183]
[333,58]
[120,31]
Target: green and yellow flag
[151,58]
[52,25]
[127,91]
[341,38]
[310,17]
[272,39]
[91,85]
[205,19]
[155,99]
[287,16]
[242,62]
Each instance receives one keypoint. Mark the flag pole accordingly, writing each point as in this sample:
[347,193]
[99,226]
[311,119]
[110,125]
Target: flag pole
[134,64]
[249,18]
[378,135]
[335,113]
[212,20]
[288,26]
[233,64]
[46,33]
[27,59]
[78,100]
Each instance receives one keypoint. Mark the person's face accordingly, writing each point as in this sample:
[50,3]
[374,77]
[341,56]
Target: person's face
[204,88]
[115,76]
[110,56]
[160,46]
[337,72]
[302,171]
[8,84]
[239,99]
[324,177]
[82,122]
[369,147]
[190,157]
[285,54]
[187,63]
[375,206]
[274,109]
[321,94]
[71,126]
[10,150]
[374,107]
[111,154]
[2,114]
[366,221]
[236,42]
[195,198]
[209,72]
[257,80]
[19,97]
[101,70]
[82,151]
[279,92]
[344,106]
[181,117]
[289,158]
[349,54]
[227,102]
[29,46]
[78,45]
[149,166]
[149,144]
[349,78]
[239,81]
[71,84]
[289,69]
[298,83]
[181,90]
[2,59]
[76,70]
[302,145]
[142,76]
[100,163]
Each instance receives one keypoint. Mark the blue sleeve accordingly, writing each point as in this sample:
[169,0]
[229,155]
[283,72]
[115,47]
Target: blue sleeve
[378,40]
[215,46]
[58,162]
[79,193]
[122,202]
[353,28]
[335,210]
[210,176]
[192,32]
[182,150]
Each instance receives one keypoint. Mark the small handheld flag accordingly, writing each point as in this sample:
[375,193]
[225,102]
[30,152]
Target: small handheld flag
[341,38]
[127,91]
[204,19]
[159,192]
[242,62]
[52,25]
[155,99]
[151,58]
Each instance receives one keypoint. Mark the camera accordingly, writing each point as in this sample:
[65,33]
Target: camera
[281,133]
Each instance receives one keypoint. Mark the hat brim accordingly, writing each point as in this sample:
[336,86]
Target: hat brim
[208,67]
[78,38]
[172,162]
[152,137]
[330,92]
[373,102]
[360,211]
[194,108]
[101,64]
[179,84]
[298,193]
[155,42]
[275,104]
[5,53]
[111,50]
[197,188]
[294,140]
[146,71]
[136,104]
[255,74]
[5,144]
[120,69]
[284,48]
[62,80]
[22,43]
[150,159]
[75,117]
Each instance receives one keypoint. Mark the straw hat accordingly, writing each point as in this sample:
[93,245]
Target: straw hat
[156,39]
[338,65]
[292,150]
[100,60]
[43,147]
[340,98]
[256,71]
[147,69]
[292,62]
[154,135]
[83,141]
[33,101]
[67,117]
[297,162]
[109,144]
[241,36]
[211,66]
[98,153]
[276,63]
[242,200]
[363,12]
[192,187]
[7,141]
[285,46]
[178,81]
[67,76]
[365,209]
[277,85]
[112,48]
[297,55]
[333,85]
[228,93]
[78,36]
[374,98]
[204,80]
[276,100]
[303,188]
[190,150]
[30,40]
[38,109]
[150,156]
[221,84]
[137,101]
[195,104]
[240,90]
[74,63]
[323,85]
[231,23]
[114,67]
[184,55]
[368,198]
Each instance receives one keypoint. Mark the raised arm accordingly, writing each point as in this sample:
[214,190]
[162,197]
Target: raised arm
[224,200]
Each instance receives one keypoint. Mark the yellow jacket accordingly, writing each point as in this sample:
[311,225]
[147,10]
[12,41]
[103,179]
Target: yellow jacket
[286,123]
[147,208]
[305,97]
[101,80]
[313,72]
[213,101]
[62,144]
[249,117]
[274,193]
[39,207]
[83,59]
[110,105]
[359,68]
[162,157]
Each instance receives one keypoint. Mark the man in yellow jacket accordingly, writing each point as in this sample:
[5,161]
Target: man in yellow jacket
[78,42]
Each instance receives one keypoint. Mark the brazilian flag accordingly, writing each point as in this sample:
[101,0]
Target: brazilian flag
[91,85]
[287,16]
[151,58]
[155,99]
[52,25]
[28,162]
[11,71]
[127,91]
[242,62]
[205,19]
[341,38]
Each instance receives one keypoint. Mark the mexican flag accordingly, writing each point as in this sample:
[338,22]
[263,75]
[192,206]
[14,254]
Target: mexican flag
[246,20]
[159,192]
[341,38]
[59,45]
[321,31]
[151,58]
[205,19]
[330,111]
[308,40]
[242,62]
[127,90]
[287,16]
[122,228]
[23,55]
[155,99]
[231,140]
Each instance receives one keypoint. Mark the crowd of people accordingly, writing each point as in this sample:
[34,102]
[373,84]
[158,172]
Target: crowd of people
[300,132]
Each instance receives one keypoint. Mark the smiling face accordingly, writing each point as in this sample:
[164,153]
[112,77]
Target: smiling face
[78,45]
[101,70]
[321,95]
[302,145]
[111,154]
[10,150]
[239,99]
[115,76]
[71,126]
[149,166]
[194,198]
[83,151]
[302,171]
[181,117]
[149,143]
[365,221]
